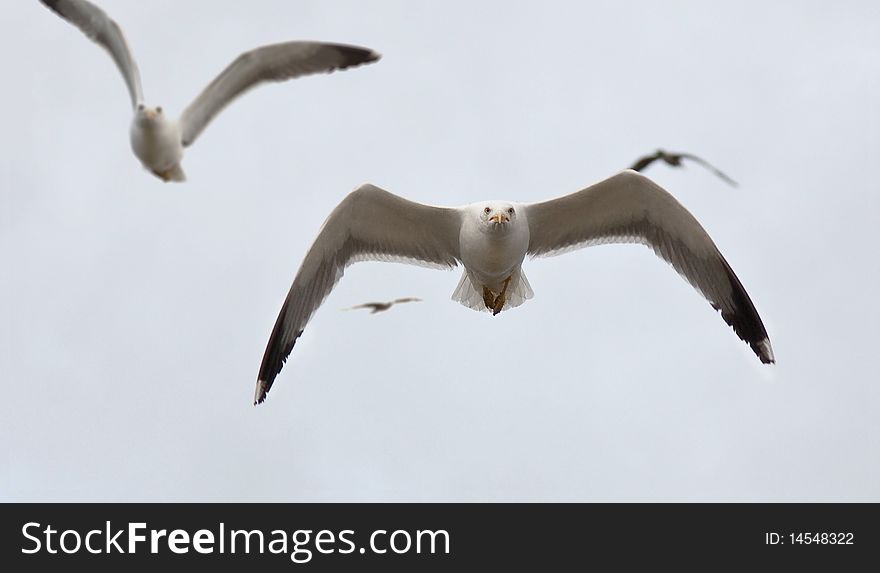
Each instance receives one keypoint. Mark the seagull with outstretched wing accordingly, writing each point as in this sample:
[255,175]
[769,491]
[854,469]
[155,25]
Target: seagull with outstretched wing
[157,140]
[491,239]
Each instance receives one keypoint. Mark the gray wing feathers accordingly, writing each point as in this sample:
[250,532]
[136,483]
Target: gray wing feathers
[630,208]
[101,29]
[277,62]
[369,224]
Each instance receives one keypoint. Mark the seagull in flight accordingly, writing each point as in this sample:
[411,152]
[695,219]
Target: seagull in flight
[157,140]
[383,306]
[675,159]
[490,239]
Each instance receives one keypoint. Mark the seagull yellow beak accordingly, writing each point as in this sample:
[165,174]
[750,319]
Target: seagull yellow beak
[499,218]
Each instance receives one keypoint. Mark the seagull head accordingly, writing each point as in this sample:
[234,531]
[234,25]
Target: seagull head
[146,113]
[497,216]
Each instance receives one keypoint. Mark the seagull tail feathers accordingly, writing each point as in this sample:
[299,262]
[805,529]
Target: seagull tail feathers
[470,293]
[175,174]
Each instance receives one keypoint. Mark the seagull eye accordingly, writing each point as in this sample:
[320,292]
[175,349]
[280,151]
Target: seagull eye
[140,107]
[159,109]
[487,210]
[510,210]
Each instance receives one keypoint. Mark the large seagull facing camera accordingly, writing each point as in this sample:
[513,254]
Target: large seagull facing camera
[491,239]
[159,141]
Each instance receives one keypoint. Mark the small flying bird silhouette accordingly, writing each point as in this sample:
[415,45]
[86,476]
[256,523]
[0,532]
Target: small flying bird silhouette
[383,306]
[674,159]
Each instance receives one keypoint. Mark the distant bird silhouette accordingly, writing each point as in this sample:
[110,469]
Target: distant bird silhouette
[383,306]
[674,159]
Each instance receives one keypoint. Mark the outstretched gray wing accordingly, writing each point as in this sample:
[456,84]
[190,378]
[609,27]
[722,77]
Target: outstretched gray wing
[630,208]
[273,63]
[369,224]
[101,29]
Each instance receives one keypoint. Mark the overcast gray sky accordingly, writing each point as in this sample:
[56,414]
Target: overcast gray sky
[135,313]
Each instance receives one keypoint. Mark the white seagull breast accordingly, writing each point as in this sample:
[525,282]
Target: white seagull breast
[492,252]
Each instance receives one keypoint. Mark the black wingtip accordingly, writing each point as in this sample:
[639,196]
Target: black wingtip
[356,56]
[53,5]
[260,394]
[765,351]
[745,321]
[273,361]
